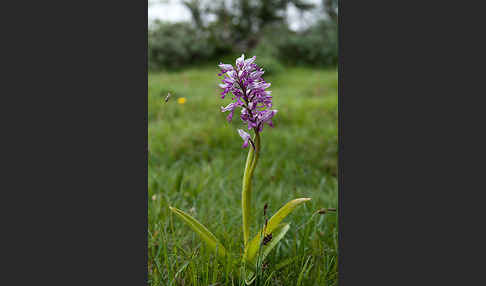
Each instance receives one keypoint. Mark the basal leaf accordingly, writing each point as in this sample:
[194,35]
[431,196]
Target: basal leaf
[277,234]
[253,246]
[201,230]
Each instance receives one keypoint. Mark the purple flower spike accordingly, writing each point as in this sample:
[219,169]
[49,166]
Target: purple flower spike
[245,84]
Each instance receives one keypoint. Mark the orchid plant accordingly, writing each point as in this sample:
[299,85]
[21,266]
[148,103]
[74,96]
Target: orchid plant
[244,82]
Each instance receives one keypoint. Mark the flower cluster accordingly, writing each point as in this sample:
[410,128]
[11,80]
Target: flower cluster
[248,89]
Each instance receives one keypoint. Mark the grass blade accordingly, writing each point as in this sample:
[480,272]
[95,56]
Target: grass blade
[285,263]
[179,271]
[304,271]
[250,277]
[202,231]
[267,282]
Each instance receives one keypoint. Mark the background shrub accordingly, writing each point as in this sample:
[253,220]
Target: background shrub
[177,45]
[267,51]
[317,46]
[271,65]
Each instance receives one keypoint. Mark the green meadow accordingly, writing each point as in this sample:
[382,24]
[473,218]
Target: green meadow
[196,164]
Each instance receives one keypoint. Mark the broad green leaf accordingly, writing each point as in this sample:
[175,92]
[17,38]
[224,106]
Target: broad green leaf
[201,230]
[277,234]
[252,248]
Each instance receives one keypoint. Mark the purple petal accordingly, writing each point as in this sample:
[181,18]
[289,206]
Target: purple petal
[245,144]
[245,136]
[240,61]
[256,74]
[230,115]
[267,115]
[225,67]
[230,106]
[249,61]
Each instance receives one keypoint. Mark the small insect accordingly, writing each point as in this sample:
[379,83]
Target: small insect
[267,239]
[167,97]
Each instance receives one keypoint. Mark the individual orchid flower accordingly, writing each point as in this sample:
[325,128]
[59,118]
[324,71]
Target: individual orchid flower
[245,136]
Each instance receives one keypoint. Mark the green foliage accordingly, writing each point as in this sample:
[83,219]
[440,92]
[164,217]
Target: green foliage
[245,19]
[317,46]
[271,65]
[201,230]
[331,7]
[267,52]
[177,45]
[172,46]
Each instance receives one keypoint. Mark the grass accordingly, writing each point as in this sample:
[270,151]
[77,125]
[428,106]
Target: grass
[196,164]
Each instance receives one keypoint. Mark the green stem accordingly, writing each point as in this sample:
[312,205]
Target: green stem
[251,161]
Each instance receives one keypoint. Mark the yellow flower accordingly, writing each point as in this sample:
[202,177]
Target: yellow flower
[181,100]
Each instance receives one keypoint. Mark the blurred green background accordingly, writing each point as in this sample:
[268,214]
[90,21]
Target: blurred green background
[218,28]
[195,157]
